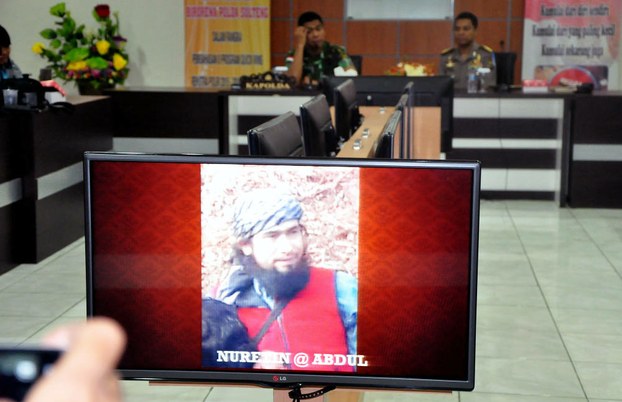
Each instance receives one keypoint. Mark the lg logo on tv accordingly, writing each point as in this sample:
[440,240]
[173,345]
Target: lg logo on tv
[278,378]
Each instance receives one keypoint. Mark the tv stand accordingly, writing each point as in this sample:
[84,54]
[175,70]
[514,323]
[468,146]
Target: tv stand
[328,394]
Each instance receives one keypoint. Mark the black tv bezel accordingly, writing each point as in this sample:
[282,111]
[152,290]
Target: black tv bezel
[289,380]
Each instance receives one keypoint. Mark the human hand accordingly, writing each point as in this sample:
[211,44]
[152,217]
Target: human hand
[300,36]
[86,371]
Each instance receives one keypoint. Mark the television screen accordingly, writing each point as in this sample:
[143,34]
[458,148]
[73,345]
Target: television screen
[347,115]
[286,271]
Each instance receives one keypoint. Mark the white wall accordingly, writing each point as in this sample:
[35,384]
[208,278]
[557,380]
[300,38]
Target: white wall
[154,29]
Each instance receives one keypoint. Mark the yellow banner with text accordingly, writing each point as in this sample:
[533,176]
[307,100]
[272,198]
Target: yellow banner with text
[224,40]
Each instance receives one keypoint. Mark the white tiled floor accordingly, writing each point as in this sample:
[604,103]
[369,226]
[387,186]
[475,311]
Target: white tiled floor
[549,310]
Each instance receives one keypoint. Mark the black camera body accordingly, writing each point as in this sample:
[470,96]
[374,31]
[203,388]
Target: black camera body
[20,368]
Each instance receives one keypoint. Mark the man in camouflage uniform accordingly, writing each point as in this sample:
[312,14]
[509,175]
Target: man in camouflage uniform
[313,57]
[468,55]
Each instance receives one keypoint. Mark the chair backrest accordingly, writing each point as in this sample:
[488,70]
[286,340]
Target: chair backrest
[279,136]
[505,62]
[357,60]
[318,134]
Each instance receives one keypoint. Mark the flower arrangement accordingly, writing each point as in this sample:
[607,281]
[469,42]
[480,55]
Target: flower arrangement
[94,59]
[411,69]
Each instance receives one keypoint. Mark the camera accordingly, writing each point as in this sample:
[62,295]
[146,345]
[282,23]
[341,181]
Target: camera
[20,368]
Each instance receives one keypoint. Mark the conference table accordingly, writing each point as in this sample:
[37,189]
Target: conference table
[425,129]
[363,143]
[41,180]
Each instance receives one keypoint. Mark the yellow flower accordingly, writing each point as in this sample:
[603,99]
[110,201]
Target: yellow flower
[38,48]
[102,46]
[118,61]
[77,66]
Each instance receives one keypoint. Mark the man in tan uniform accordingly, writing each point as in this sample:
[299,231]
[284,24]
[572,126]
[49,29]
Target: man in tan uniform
[468,55]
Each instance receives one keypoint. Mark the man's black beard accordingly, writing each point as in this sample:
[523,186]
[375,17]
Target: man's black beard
[279,285]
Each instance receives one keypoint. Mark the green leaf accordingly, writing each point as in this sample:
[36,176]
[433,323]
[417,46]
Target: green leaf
[55,43]
[48,33]
[67,47]
[76,54]
[68,27]
[79,34]
[97,63]
[58,10]
[51,56]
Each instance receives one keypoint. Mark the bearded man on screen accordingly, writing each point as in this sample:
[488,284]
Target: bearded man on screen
[287,305]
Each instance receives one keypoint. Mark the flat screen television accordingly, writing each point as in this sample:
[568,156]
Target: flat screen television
[390,138]
[408,121]
[406,126]
[436,91]
[383,257]
[347,116]
[318,133]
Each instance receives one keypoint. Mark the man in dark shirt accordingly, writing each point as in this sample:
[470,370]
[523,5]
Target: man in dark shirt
[8,69]
[288,305]
[313,56]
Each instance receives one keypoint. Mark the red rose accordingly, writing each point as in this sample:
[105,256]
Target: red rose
[102,10]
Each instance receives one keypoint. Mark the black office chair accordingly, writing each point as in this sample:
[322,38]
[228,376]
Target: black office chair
[280,136]
[357,60]
[505,62]
[319,137]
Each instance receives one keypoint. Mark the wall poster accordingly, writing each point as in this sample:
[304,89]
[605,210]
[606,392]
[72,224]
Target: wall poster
[224,40]
[571,41]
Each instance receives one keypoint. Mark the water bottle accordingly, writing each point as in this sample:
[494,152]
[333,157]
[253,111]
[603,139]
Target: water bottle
[472,82]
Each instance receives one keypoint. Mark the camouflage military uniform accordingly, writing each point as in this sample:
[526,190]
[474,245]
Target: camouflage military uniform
[315,67]
[481,56]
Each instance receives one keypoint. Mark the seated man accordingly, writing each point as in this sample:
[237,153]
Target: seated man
[468,55]
[8,69]
[313,56]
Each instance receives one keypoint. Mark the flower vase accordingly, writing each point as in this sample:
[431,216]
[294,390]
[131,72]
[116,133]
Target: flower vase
[85,88]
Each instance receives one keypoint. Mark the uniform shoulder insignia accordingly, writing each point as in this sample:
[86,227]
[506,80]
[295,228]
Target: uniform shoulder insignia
[448,50]
[486,48]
